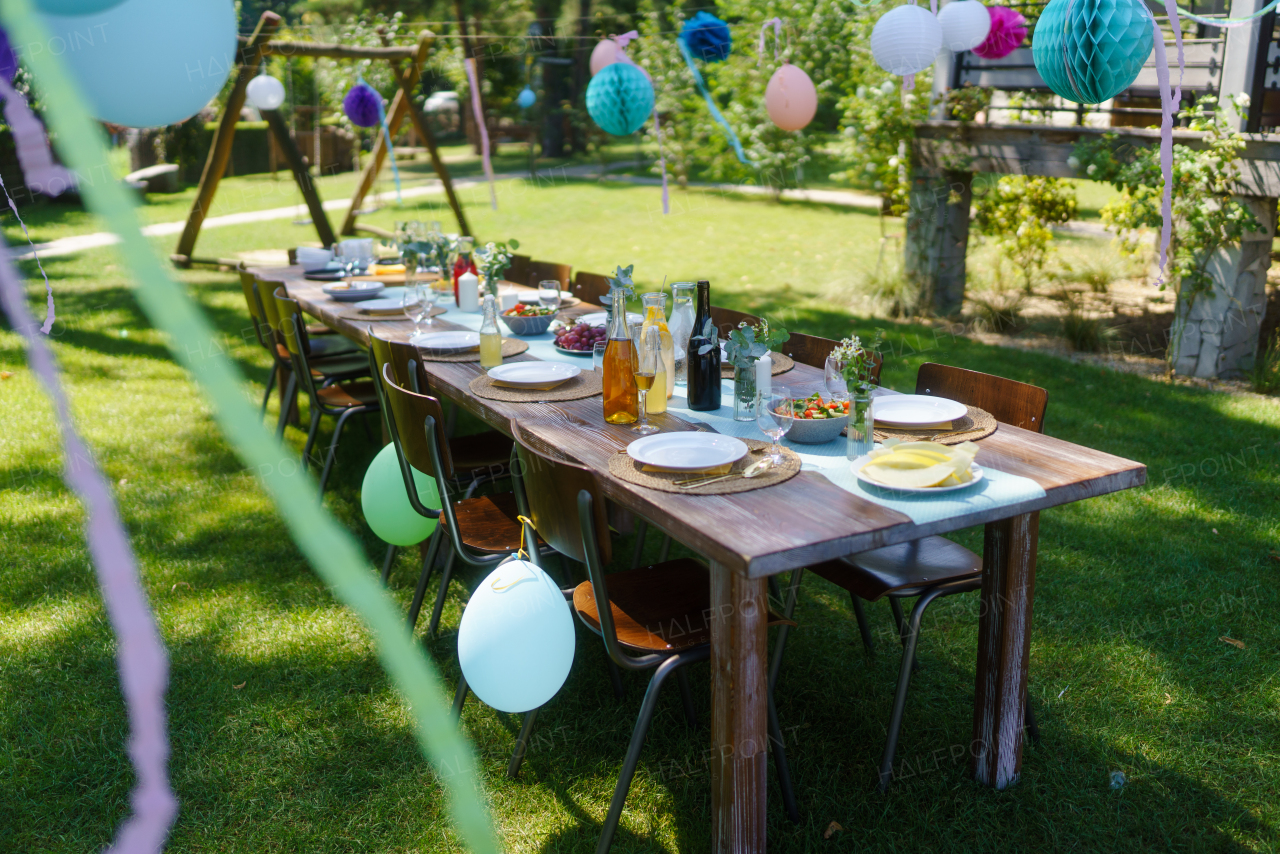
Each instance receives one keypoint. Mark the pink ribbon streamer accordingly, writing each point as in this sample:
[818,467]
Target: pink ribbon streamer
[484,130]
[662,162]
[1169,101]
[908,82]
[776,23]
[41,173]
[141,656]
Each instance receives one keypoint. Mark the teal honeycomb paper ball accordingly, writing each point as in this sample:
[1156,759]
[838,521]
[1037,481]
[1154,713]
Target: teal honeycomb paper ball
[1091,50]
[620,99]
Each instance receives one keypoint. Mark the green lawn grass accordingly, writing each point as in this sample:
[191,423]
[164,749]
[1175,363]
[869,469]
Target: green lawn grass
[287,736]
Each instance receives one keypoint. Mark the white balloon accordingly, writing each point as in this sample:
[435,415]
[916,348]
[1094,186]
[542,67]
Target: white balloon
[265,92]
[906,40]
[516,639]
[604,53]
[965,24]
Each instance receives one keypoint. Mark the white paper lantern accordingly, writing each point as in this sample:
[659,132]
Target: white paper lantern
[264,92]
[906,40]
[965,24]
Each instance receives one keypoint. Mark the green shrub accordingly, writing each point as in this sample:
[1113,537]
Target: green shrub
[1266,367]
[1017,212]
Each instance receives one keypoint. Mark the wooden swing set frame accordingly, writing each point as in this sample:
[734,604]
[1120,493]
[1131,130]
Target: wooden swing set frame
[406,67]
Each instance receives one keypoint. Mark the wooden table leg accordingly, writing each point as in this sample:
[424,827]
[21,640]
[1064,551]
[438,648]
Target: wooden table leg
[1004,643]
[739,711]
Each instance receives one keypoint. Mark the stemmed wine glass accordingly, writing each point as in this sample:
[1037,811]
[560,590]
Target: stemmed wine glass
[415,305]
[774,418]
[645,359]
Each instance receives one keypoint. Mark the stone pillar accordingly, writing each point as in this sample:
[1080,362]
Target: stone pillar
[1217,336]
[938,237]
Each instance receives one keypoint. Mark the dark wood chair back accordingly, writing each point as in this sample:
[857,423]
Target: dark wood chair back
[257,314]
[590,287]
[551,487]
[409,412]
[518,272]
[545,271]
[403,359]
[727,320]
[1010,401]
[291,327]
[813,350]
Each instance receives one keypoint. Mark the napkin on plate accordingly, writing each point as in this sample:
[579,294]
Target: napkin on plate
[724,469]
[544,387]
[382,312]
[385,269]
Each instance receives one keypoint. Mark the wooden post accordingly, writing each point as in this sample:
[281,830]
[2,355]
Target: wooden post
[1004,644]
[301,174]
[938,237]
[739,711]
[1241,68]
[220,151]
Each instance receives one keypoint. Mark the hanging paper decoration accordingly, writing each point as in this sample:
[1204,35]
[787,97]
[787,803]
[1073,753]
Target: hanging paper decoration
[473,80]
[791,98]
[620,99]
[8,61]
[604,53]
[362,105]
[158,62]
[906,40]
[1008,31]
[527,98]
[965,24]
[516,639]
[707,37]
[1089,51]
[264,92]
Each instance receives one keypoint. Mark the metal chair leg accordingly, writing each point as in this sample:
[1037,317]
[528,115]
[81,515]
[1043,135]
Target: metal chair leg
[387,562]
[441,594]
[779,749]
[686,698]
[793,590]
[896,607]
[286,404]
[647,709]
[312,431]
[459,697]
[428,566]
[615,676]
[266,397]
[864,628]
[522,745]
[666,549]
[333,447]
[642,530]
[904,682]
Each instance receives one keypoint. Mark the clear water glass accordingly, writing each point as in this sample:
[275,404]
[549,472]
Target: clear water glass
[597,355]
[833,379]
[414,307]
[771,421]
[549,294]
[427,295]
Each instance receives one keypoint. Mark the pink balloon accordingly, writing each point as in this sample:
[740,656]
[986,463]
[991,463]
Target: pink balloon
[791,98]
[605,53]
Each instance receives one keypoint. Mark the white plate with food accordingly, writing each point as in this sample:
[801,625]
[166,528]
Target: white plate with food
[540,375]
[693,451]
[907,410]
[599,318]
[919,468]
[975,471]
[353,291]
[447,342]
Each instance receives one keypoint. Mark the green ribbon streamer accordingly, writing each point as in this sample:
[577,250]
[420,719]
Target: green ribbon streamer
[330,549]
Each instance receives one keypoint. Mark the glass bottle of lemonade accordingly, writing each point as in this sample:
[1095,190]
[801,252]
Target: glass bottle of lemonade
[490,337]
[621,395]
[655,314]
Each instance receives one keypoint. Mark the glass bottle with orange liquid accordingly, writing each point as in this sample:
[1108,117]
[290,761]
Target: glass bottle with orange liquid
[621,395]
[655,314]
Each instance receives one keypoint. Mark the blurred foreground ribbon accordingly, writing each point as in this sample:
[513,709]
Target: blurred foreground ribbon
[391,152]
[484,130]
[1169,100]
[711,103]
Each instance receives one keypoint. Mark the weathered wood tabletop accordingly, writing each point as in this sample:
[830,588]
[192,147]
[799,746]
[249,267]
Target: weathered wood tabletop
[751,535]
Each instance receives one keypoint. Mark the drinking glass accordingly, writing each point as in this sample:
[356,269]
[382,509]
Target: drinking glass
[549,294]
[597,355]
[773,423]
[645,362]
[833,379]
[428,294]
[414,306]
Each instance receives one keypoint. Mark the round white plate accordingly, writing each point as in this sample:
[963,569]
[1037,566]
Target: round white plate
[687,451]
[380,304]
[598,318]
[531,297]
[447,342]
[974,469]
[903,410]
[353,291]
[534,374]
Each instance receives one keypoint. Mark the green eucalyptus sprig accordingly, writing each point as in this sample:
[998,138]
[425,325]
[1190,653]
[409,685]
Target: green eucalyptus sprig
[859,361]
[748,343]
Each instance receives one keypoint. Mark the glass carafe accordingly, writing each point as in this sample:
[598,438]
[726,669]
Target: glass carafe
[681,325]
[655,314]
[621,395]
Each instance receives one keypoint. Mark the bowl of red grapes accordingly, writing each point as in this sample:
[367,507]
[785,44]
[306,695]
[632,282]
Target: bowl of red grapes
[580,339]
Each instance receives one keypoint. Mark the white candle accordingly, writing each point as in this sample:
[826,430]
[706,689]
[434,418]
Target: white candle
[764,374]
[468,292]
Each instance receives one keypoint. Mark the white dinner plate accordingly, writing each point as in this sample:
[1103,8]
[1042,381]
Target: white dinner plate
[974,469]
[380,304]
[904,410]
[531,297]
[447,342]
[598,318]
[687,451]
[353,291]
[534,374]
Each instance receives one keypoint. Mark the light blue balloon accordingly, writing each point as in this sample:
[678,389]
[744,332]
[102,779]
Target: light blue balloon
[386,506]
[75,7]
[516,639]
[527,98]
[148,63]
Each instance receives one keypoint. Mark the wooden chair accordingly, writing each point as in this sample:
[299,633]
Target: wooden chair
[726,319]
[341,399]
[590,287]
[813,351]
[518,272]
[932,567]
[483,530]
[544,271]
[650,618]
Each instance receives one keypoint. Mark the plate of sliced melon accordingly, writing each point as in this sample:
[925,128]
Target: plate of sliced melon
[920,467]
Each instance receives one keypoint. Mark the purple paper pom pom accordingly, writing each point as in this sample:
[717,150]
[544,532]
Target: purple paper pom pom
[8,62]
[363,106]
[1008,32]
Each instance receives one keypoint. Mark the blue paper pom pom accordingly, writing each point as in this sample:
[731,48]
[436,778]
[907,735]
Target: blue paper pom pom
[362,105]
[526,99]
[620,99]
[707,37]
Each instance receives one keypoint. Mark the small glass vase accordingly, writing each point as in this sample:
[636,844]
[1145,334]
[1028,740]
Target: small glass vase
[744,393]
[862,434]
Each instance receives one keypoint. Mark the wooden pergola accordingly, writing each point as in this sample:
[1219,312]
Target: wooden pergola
[406,66]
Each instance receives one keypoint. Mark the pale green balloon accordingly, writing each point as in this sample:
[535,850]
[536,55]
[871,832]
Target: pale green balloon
[386,506]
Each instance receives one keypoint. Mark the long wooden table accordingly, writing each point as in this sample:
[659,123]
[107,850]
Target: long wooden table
[749,536]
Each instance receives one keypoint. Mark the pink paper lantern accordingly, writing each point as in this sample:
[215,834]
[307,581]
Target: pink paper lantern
[1008,31]
[604,53]
[791,98]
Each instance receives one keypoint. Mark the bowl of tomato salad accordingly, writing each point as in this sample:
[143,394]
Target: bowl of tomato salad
[526,319]
[815,419]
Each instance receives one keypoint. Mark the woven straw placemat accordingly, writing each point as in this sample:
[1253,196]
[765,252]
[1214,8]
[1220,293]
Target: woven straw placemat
[510,347]
[781,364]
[585,384]
[622,466]
[978,424]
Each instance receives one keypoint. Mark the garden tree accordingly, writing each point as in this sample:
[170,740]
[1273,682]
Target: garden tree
[877,127]
[1017,213]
